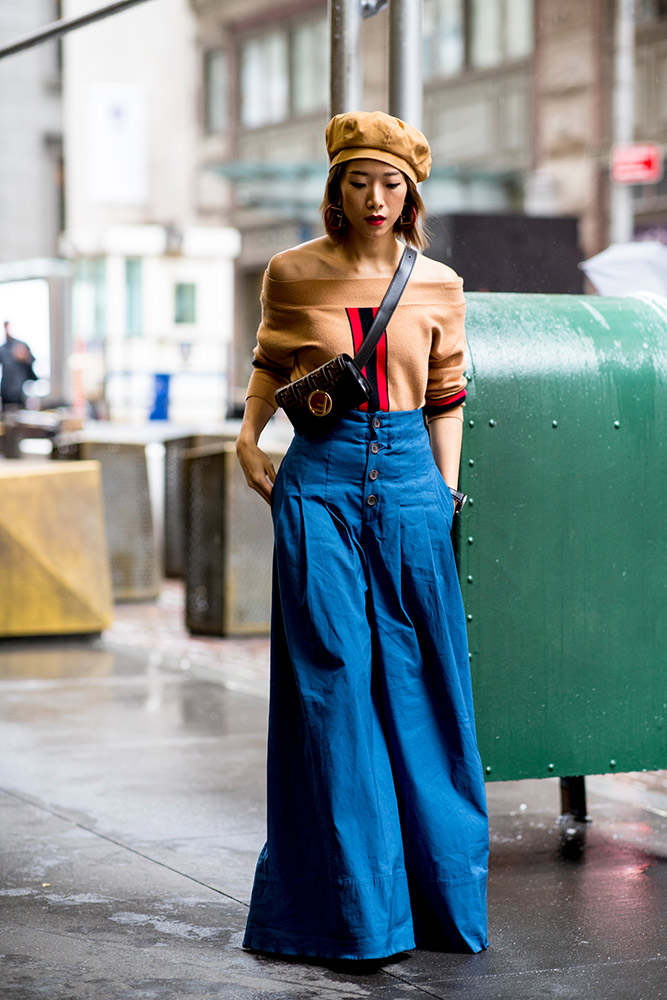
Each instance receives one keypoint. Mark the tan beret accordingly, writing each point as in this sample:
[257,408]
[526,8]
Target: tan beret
[373,135]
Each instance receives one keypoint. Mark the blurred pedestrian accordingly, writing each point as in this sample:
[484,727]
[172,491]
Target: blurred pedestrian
[377,826]
[17,362]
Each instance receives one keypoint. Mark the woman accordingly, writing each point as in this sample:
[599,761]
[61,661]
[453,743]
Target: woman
[377,828]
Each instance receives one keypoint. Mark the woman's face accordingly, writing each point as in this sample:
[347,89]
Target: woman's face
[373,196]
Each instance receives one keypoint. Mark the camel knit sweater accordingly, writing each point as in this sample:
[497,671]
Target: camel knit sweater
[419,361]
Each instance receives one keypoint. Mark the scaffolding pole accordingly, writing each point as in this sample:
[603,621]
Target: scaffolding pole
[405,75]
[345,25]
[64,25]
[622,219]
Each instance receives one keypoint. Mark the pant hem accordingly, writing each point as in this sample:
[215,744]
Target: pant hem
[327,950]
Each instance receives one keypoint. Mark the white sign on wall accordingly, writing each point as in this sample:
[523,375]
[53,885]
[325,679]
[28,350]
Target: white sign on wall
[117,147]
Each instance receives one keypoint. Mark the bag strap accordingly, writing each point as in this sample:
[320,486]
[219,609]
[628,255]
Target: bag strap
[387,306]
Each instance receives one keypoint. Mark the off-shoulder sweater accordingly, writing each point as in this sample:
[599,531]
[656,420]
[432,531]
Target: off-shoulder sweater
[419,361]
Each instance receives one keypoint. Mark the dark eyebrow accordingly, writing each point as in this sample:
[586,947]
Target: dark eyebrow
[387,173]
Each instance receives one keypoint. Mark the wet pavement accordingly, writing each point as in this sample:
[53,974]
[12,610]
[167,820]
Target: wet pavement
[132,813]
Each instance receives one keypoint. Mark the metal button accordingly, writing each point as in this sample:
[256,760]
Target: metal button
[376,422]
[371,500]
[375,447]
[373,474]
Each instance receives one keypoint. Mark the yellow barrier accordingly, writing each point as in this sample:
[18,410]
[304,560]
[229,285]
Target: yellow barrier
[54,567]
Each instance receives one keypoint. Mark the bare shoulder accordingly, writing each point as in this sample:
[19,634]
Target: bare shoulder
[306,261]
[428,269]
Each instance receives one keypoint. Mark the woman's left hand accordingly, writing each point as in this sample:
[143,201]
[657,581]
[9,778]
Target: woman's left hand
[446,434]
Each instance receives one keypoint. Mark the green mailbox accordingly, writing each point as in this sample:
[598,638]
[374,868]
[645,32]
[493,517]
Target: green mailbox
[562,548]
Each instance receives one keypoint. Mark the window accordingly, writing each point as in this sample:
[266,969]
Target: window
[264,80]
[185,303]
[310,67]
[133,297]
[54,195]
[215,91]
[518,28]
[89,299]
[57,49]
[500,30]
[475,33]
[285,72]
[649,10]
[485,33]
[444,40]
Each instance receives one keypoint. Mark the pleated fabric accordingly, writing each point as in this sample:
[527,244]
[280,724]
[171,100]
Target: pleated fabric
[377,825]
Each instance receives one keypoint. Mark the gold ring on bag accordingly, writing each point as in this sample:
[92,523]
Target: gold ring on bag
[320,403]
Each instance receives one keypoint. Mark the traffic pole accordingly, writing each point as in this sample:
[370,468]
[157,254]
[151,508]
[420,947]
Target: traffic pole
[621,221]
[346,70]
[405,75]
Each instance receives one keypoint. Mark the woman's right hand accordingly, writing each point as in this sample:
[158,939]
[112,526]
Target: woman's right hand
[257,467]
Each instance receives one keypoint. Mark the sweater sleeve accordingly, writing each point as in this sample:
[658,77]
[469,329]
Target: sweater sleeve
[446,387]
[273,357]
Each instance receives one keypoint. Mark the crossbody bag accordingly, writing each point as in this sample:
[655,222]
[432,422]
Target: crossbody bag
[315,402]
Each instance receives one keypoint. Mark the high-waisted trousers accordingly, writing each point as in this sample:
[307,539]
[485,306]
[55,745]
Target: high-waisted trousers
[377,825]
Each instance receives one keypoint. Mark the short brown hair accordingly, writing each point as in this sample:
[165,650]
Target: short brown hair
[414,235]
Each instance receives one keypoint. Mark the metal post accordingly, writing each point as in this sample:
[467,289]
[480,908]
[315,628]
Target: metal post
[345,26]
[573,798]
[405,75]
[622,220]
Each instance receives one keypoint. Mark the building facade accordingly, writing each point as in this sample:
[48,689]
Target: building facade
[31,170]
[193,141]
[264,109]
[517,107]
[33,285]
[650,201]
[152,313]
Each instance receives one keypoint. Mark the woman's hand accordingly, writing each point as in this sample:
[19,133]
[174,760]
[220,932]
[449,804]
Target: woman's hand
[257,467]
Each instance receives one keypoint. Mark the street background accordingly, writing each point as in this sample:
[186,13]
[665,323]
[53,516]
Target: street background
[152,161]
[132,813]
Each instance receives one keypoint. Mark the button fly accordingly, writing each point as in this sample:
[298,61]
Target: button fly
[372,500]
[375,447]
[373,474]
[376,423]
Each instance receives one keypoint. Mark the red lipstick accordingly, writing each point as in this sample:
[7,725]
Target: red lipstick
[375,220]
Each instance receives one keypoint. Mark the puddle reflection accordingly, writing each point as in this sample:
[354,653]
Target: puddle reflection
[64,662]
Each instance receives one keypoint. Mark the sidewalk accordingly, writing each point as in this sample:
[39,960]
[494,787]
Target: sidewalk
[132,813]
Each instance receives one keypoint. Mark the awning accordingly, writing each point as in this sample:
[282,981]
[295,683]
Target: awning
[248,171]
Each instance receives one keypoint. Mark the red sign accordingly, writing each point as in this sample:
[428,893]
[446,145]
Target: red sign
[639,163]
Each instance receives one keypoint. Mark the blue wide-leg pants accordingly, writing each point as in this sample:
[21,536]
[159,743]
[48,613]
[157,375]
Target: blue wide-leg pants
[377,825]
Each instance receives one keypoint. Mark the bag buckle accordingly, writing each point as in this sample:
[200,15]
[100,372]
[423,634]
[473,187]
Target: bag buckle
[320,403]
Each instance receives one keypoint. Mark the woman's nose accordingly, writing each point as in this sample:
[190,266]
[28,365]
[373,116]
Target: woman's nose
[375,198]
